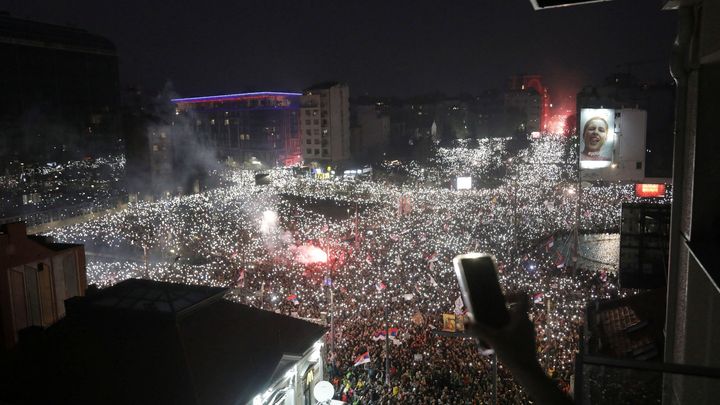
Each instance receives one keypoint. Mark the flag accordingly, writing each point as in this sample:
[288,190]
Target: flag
[460,322]
[559,260]
[408,297]
[327,281]
[448,323]
[362,359]
[432,258]
[432,281]
[538,298]
[380,286]
[550,243]
[293,298]
[459,304]
[393,332]
[379,335]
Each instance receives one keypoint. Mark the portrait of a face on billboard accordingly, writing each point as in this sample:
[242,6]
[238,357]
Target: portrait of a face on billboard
[597,138]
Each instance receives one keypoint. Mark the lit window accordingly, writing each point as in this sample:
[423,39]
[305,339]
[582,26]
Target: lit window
[227,122]
[212,121]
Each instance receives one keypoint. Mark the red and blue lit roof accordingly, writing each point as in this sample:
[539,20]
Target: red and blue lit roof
[233,97]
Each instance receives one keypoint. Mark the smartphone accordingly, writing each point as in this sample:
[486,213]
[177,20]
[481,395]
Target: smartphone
[478,279]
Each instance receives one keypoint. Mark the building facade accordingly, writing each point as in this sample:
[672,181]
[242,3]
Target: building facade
[370,132]
[260,128]
[325,123]
[36,277]
[61,93]
[527,95]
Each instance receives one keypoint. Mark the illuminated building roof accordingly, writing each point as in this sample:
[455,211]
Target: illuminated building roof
[232,97]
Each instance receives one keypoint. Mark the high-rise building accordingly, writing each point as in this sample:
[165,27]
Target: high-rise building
[325,122]
[258,128]
[527,96]
[60,93]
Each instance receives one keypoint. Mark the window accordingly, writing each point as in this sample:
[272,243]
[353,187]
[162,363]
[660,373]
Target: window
[316,122]
[212,121]
[324,123]
[325,152]
[316,131]
[307,112]
[317,151]
[317,141]
[227,121]
[308,142]
[315,112]
[308,151]
[155,148]
[307,122]
[307,132]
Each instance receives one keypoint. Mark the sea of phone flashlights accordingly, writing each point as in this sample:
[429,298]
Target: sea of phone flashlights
[381,244]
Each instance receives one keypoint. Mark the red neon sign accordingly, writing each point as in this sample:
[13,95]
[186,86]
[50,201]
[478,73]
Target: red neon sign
[650,190]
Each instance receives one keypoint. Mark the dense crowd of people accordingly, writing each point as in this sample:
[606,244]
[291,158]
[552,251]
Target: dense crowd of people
[373,260]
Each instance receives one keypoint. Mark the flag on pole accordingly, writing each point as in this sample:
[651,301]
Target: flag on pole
[293,298]
[362,359]
[380,286]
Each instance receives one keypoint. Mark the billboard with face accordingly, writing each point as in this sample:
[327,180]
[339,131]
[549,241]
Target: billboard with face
[597,137]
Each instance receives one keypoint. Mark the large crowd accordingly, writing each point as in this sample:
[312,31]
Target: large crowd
[375,256]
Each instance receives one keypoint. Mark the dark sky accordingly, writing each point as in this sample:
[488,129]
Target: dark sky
[392,47]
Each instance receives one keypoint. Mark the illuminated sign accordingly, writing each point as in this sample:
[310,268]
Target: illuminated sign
[543,4]
[650,190]
[464,183]
[597,137]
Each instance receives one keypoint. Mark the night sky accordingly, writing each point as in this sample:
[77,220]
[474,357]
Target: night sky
[379,48]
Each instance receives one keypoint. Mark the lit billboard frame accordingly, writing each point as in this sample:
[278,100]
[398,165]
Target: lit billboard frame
[464,183]
[597,138]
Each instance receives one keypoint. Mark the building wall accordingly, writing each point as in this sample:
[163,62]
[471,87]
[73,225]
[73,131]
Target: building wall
[325,123]
[35,281]
[371,132]
[60,88]
[693,300]
[241,127]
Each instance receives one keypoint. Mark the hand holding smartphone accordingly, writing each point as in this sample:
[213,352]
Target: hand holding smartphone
[477,276]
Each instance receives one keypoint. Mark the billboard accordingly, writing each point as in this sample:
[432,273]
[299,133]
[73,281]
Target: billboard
[597,137]
[612,144]
[464,183]
[650,190]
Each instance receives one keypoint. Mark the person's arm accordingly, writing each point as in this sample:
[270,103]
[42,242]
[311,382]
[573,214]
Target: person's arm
[514,345]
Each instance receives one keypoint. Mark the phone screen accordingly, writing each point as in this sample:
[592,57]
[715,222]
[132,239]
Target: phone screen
[481,289]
